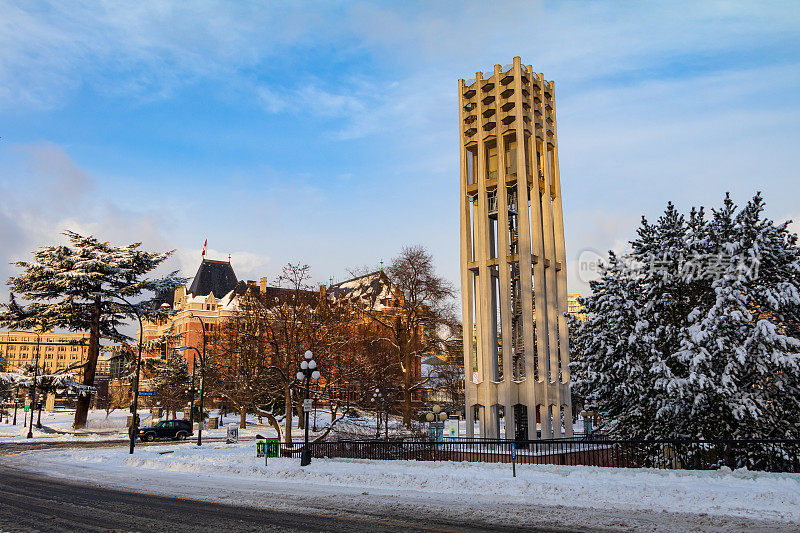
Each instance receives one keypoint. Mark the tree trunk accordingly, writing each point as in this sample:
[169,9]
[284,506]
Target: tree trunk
[287,395]
[301,419]
[243,418]
[275,425]
[82,410]
[407,394]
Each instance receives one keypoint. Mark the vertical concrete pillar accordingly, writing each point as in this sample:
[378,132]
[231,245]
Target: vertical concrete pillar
[466,274]
[544,415]
[555,409]
[508,389]
[548,244]
[568,430]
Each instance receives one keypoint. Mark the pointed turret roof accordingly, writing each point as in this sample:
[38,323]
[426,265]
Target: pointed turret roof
[215,277]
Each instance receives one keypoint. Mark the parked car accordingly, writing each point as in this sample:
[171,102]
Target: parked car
[167,429]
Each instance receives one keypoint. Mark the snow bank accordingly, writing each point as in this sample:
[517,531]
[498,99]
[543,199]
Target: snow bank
[220,467]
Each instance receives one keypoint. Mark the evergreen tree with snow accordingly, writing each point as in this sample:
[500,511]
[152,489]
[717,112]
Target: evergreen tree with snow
[78,287]
[694,334]
[742,352]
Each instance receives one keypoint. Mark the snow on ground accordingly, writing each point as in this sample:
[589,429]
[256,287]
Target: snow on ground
[232,473]
[57,426]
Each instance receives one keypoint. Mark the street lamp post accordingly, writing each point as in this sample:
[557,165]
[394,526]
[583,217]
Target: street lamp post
[587,422]
[308,372]
[16,401]
[436,419]
[202,386]
[33,393]
[202,376]
[134,429]
[377,399]
[192,392]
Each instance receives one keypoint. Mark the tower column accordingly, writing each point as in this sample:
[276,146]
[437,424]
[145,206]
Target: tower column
[470,396]
[561,275]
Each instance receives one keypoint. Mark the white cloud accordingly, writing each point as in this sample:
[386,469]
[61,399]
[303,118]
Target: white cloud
[310,98]
[642,117]
[247,265]
[45,192]
[142,49]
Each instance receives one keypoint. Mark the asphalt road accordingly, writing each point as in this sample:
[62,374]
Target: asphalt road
[30,502]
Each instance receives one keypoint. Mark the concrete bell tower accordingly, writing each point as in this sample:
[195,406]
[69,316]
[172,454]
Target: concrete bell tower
[513,263]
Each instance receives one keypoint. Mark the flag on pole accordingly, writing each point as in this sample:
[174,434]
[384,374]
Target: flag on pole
[203,255]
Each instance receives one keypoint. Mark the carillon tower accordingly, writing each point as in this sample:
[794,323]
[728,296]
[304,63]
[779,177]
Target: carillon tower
[513,263]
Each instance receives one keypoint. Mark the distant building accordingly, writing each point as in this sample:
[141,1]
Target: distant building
[211,297]
[104,363]
[574,307]
[57,351]
[214,295]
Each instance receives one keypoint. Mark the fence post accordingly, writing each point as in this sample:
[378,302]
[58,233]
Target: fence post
[514,458]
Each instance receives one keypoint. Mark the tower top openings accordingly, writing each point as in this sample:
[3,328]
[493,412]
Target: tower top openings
[513,263]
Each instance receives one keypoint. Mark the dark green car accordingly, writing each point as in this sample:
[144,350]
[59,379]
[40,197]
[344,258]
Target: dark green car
[167,429]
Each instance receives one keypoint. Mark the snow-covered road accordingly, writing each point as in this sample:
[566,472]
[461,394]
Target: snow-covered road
[543,496]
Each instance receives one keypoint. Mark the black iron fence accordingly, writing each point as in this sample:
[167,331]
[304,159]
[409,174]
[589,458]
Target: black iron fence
[767,455]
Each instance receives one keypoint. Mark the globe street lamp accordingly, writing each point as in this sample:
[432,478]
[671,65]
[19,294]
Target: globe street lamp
[587,422]
[435,419]
[308,371]
[377,399]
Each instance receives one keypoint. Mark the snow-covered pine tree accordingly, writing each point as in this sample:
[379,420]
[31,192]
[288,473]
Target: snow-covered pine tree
[635,317]
[702,340]
[59,382]
[742,352]
[77,287]
[610,367]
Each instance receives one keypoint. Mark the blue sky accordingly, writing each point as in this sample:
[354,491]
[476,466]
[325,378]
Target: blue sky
[326,132]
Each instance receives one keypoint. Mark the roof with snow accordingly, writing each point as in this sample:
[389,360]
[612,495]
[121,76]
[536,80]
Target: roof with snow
[370,289]
[215,277]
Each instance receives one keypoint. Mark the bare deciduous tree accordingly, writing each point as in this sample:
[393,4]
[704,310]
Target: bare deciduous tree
[410,315]
[297,318]
[238,367]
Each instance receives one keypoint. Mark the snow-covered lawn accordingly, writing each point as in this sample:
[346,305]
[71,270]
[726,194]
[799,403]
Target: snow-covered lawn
[57,426]
[232,473]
